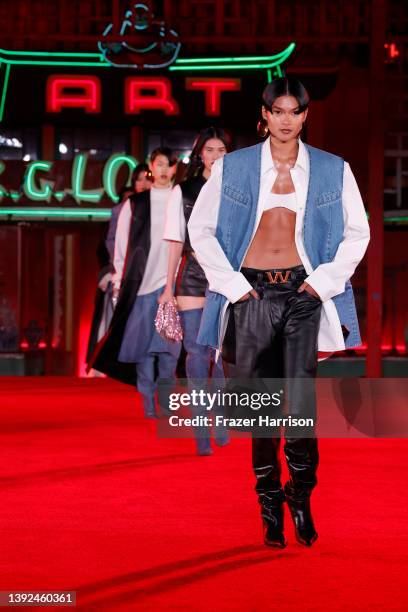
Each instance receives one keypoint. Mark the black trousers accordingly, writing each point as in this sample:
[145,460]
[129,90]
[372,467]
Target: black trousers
[190,279]
[276,337]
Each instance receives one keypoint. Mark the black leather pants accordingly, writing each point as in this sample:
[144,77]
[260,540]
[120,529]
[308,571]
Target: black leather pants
[276,337]
[190,279]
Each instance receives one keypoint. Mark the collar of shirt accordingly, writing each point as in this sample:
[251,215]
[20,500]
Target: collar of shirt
[267,164]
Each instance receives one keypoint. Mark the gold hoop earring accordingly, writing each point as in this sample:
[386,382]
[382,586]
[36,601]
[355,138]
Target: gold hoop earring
[262,128]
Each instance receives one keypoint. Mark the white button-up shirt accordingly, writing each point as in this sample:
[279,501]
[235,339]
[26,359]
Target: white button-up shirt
[327,279]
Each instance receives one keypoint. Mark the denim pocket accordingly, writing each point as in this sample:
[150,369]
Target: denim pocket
[236,195]
[327,198]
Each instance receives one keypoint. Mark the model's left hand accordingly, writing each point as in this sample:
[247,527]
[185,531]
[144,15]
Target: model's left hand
[309,289]
[105,280]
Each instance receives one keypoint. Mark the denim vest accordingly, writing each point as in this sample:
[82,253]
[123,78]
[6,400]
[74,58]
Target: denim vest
[322,229]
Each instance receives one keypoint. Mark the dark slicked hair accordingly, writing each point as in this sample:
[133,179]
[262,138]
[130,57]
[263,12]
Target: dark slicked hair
[285,86]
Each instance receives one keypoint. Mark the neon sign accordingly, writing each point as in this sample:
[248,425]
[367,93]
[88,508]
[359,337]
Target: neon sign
[30,188]
[158,53]
[392,52]
[59,97]
[271,65]
[141,93]
[136,98]
[38,188]
[213,89]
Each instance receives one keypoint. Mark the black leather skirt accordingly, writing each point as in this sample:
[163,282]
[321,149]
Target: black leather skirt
[191,280]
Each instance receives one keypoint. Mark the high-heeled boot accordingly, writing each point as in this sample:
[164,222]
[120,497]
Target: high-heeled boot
[300,511]
[302,458]
[267,469]
[273,520]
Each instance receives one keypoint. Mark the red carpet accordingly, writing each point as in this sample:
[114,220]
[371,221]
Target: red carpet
[93,501]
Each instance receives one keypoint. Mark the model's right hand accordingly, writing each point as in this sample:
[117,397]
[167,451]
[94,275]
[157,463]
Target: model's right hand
[166,296]
[246,297]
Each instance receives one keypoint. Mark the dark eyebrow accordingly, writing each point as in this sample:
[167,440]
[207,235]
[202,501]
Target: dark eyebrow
[280,108]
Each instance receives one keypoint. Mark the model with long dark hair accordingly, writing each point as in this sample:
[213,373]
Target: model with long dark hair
[190,286]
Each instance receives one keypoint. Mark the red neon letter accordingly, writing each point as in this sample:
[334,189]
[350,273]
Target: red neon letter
[156,96]
[213,89]
[86,93]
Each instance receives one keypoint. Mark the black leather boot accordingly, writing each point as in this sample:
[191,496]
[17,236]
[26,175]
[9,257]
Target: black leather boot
[302,457]
[267,469]
[299,506]
[273,524]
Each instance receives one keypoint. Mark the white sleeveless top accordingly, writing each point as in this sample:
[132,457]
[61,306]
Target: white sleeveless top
[284,200]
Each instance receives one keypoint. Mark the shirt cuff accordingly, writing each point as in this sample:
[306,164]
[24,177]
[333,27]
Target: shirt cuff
[173,236]
[324,286]
[236,288]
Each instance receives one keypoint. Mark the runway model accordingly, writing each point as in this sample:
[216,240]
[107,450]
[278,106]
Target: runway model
[279,229]
[132,350]
[191,283]
[140,181]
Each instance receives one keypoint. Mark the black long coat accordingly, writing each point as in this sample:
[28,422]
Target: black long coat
[105,357]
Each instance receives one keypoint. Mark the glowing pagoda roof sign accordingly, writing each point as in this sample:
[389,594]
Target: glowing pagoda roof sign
[98,60]
[141,43]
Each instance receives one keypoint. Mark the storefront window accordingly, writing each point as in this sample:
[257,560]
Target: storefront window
[98,143]
[22,143]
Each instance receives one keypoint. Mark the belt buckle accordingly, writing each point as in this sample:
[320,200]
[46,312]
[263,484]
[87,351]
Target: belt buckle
[277,277]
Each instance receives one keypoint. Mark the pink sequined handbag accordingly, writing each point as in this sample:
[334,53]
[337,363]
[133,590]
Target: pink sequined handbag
[167,322]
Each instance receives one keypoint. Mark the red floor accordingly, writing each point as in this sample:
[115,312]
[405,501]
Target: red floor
[92,501]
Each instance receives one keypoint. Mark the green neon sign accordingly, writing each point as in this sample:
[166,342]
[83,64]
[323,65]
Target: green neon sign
[258,62]
[38,188]
[89,214]
[78,175]
[30,188]
[111,170]
[222,67]
[97,60]
[51,54]
[4,89]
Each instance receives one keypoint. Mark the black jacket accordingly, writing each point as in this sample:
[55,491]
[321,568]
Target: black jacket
[105,357]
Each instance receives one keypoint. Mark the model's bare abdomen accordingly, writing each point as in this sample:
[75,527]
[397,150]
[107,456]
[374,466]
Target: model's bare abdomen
[274,245]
